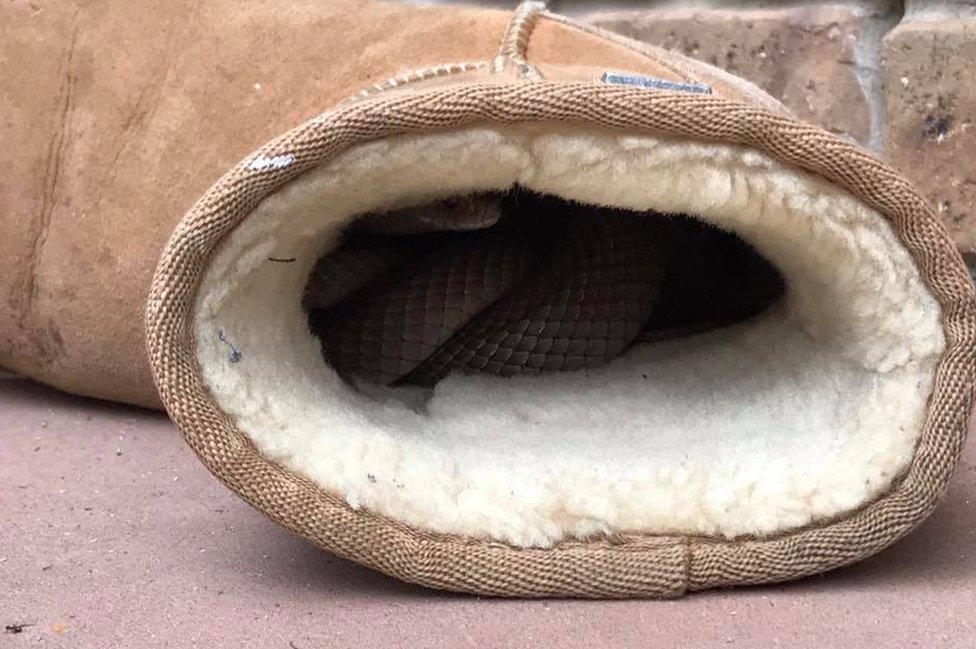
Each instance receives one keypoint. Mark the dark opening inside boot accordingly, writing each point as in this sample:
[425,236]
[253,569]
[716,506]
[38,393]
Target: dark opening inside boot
[520,283]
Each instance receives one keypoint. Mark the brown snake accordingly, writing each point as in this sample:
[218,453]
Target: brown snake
[519,283]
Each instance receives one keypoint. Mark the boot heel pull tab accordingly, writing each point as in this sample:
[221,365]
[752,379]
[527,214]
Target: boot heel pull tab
[511,54]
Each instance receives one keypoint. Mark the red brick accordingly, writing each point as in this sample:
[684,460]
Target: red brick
[930,94]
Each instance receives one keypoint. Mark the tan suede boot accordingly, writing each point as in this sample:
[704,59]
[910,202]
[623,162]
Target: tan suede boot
[805,439]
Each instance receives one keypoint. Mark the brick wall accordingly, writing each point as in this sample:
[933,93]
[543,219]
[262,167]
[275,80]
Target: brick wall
[898,77]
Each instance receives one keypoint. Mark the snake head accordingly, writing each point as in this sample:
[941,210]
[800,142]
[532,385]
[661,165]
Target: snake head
[454,214]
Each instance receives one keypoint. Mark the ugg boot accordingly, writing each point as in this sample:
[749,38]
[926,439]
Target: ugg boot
[801,435]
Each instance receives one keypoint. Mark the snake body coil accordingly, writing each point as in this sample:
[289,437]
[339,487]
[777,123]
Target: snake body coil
[521,284]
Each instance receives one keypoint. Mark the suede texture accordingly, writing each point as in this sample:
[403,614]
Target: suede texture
[116,120]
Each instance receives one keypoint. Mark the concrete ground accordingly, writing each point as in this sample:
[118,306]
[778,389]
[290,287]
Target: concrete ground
[113,535]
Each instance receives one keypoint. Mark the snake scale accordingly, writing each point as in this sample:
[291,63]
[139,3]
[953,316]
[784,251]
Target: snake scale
[519,283]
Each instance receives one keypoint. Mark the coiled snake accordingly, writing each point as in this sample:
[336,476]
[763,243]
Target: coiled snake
[521,283]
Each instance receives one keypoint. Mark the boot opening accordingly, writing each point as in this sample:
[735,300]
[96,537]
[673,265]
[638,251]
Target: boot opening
[531,334]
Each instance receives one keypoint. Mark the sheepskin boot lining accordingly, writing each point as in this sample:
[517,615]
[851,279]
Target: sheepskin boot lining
[804,412]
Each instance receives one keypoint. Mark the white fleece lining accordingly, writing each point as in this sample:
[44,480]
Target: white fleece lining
[804,413]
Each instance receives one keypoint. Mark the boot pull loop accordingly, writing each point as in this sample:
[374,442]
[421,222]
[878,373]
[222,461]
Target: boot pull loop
[516,40]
